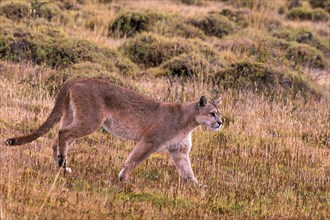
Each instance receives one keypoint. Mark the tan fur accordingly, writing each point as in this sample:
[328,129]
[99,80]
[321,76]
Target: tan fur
[84,105]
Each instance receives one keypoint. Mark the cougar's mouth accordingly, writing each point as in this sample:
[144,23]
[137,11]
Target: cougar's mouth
[217,126]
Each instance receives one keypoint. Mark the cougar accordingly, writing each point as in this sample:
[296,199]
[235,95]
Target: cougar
[84,105]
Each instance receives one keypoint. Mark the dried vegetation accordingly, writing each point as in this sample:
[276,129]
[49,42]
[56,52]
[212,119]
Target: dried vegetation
[269,60]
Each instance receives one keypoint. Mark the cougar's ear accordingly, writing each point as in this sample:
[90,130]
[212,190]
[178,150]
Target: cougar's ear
[202,102]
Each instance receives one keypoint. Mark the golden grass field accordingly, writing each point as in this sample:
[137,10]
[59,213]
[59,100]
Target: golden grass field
[271,160]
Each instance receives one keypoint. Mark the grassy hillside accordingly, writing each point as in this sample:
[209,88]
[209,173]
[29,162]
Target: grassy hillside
[269,61]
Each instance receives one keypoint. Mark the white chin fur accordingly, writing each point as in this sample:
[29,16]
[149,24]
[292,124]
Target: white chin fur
[216,128]
[68,170]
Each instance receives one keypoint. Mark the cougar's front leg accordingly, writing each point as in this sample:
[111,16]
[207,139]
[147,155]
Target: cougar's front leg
[182,163]
[140,152]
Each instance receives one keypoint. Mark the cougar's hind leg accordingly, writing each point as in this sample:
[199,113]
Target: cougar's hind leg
[68,134]
[56,149]
[86,120]
[66,120]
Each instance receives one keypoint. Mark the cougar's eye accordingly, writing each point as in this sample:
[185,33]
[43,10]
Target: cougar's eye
[213,114]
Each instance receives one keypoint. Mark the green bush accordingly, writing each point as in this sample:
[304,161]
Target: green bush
[247,75]
[306,55]
[200,47]
[19,44]
[247,3]
[187,65]
[325,4]
[305,36]
[19,10]
[263,49]
[15,10]
[192,2]
[262,78]
[214,24]
[302,13]
[182,29]
[299,13]
[151,50]
[320,15]
[290,34]
[105,1]
[129,23]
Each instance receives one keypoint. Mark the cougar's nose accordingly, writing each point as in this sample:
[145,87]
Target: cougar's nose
[220,122]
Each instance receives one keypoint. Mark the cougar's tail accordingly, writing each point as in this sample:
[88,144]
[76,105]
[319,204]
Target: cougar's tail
[54,117]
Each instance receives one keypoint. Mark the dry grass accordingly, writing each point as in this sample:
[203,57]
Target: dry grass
[271,160]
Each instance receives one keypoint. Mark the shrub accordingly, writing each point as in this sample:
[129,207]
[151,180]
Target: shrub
[294,4]
[192,2]
[248,3]
[182,29]
[151,50]
[18,44]
[303,35]
[14,10]
[263,49]
[260,77]
[245,74]
[214,24]
[105,1]
[204,49]
[299,13]
[325,4]
[187,65]
[320,15]
[302,13]
[306,55]
[129,23]
[19,10]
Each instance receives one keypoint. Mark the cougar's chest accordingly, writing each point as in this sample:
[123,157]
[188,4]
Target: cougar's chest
[180,141]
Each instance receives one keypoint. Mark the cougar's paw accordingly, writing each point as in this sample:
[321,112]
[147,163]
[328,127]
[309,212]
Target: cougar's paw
[61,161]
[198,184]
[122,176]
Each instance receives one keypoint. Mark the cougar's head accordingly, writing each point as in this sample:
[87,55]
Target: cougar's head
[208,113]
